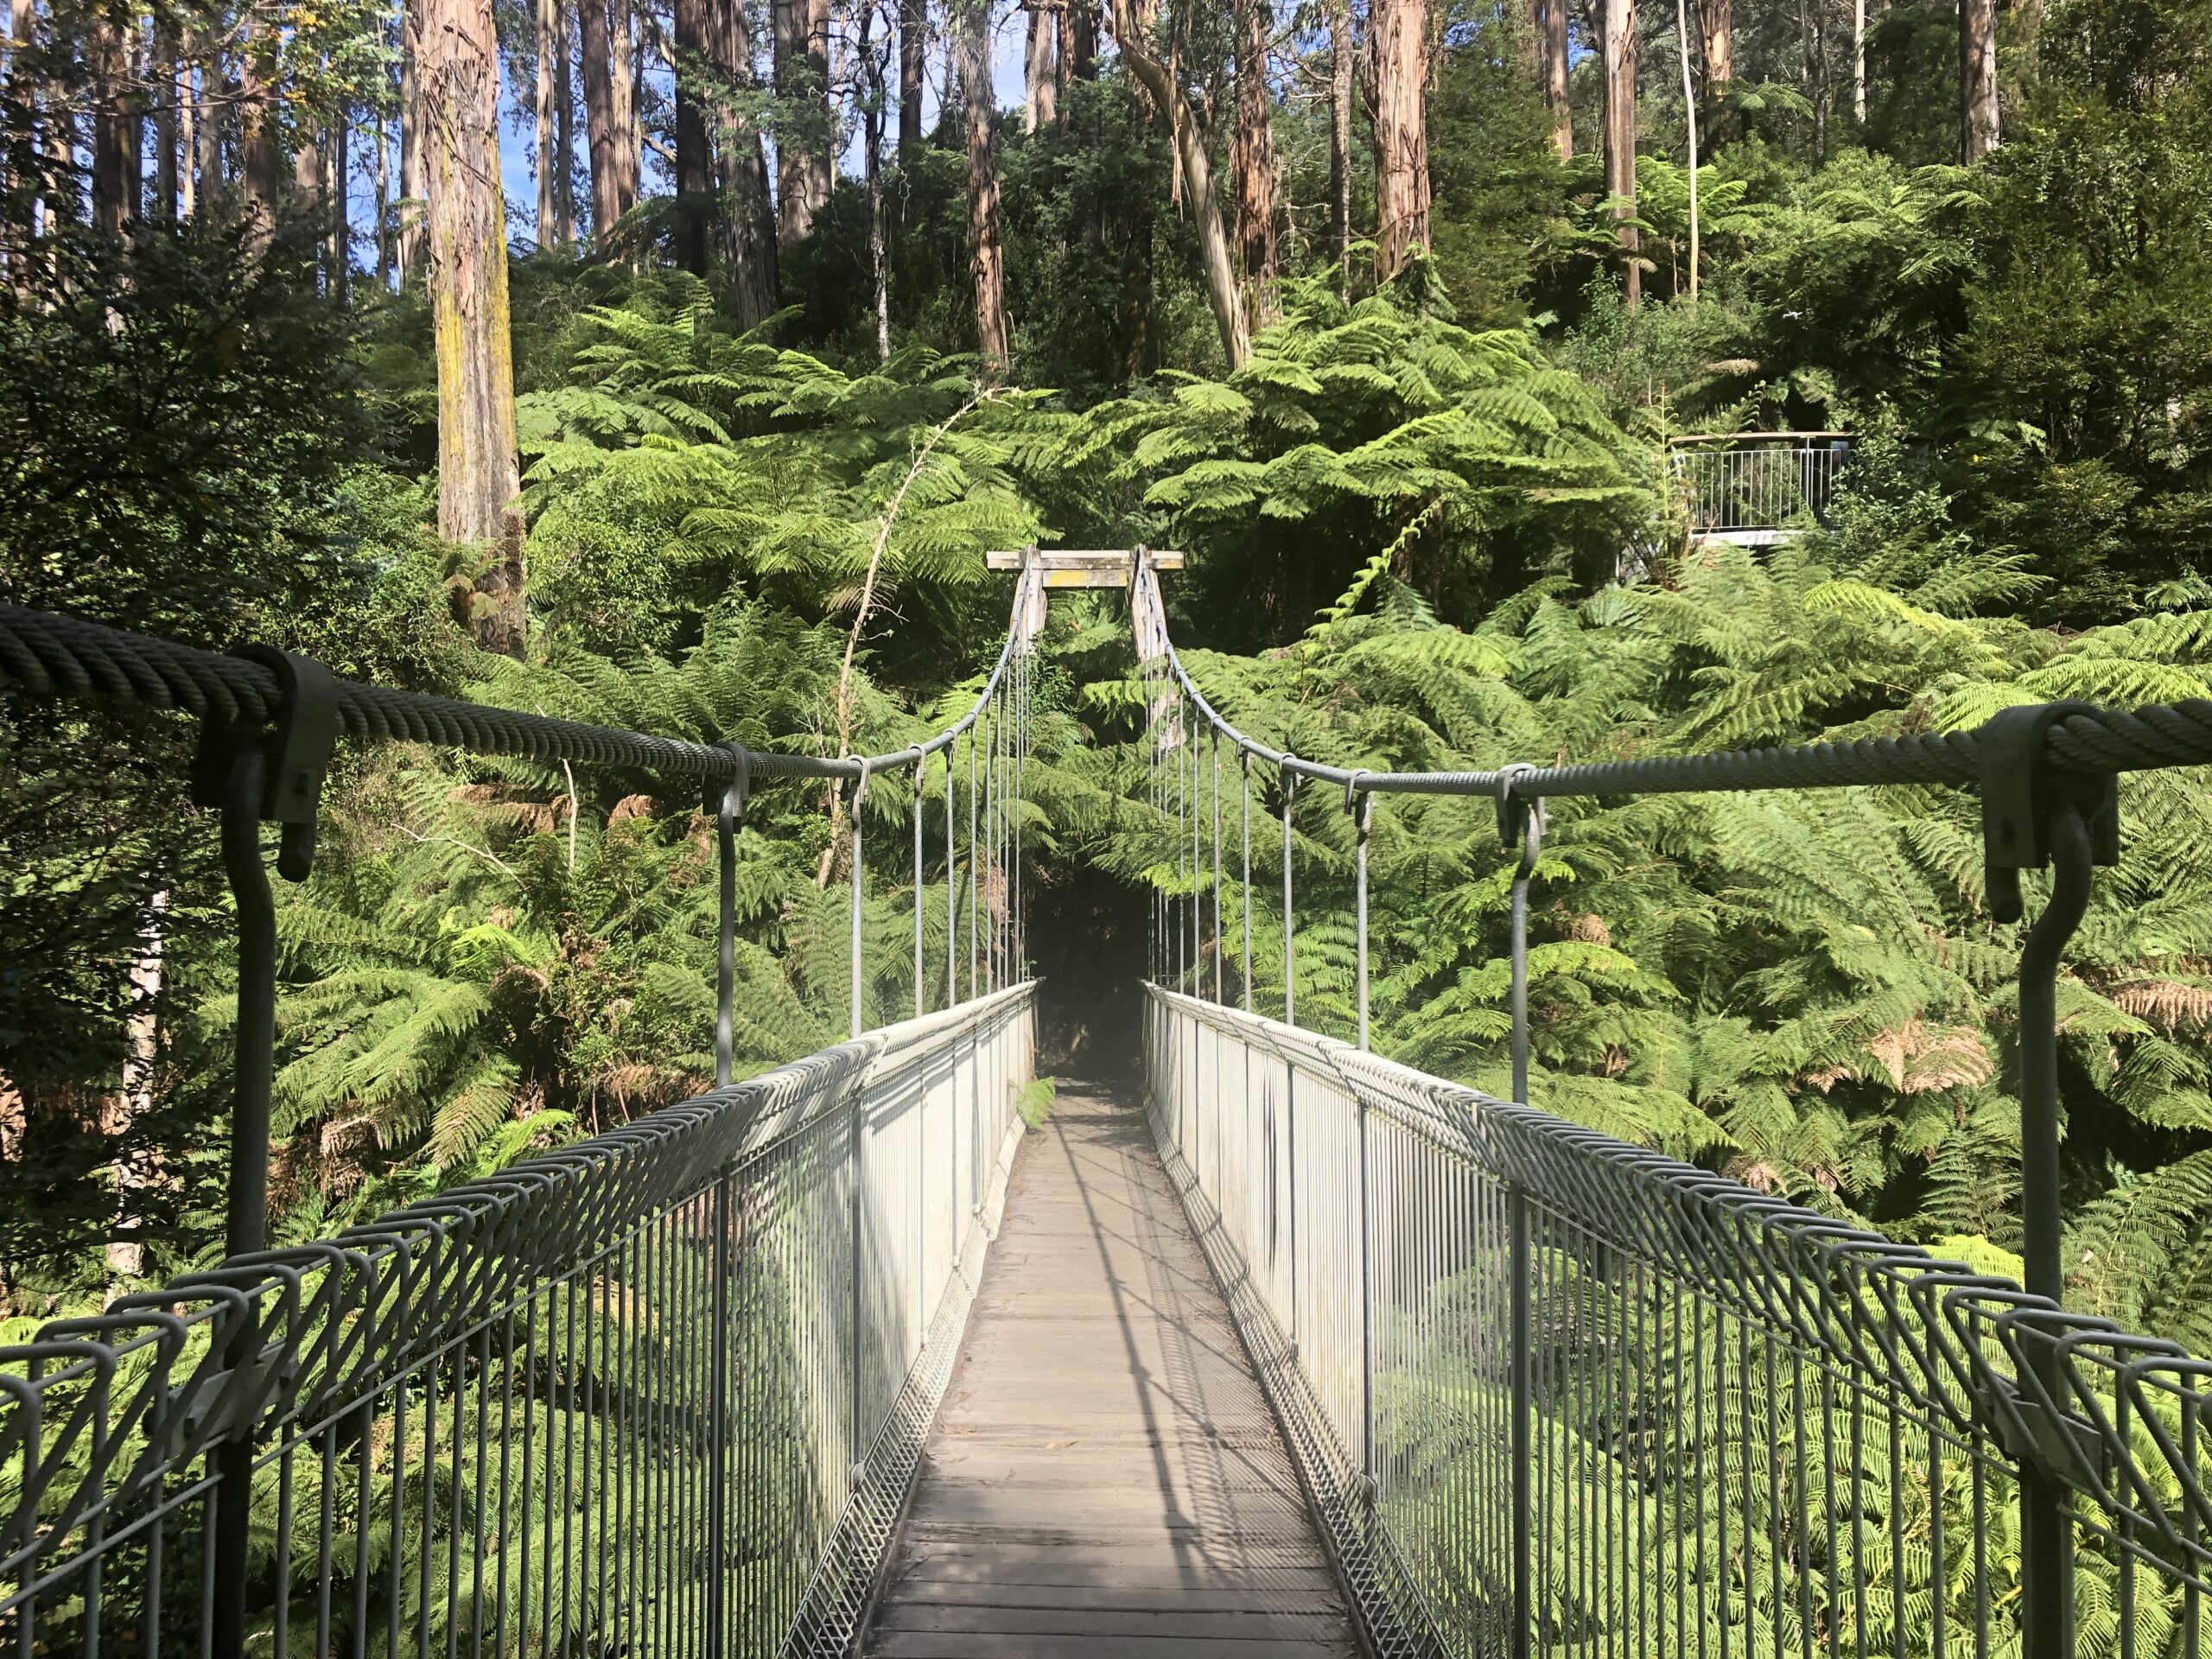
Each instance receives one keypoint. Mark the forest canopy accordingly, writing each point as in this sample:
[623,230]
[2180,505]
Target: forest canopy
[674,365]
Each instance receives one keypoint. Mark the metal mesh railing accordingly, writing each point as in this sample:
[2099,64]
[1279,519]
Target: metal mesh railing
[1553,1394]
[660,1392]
[1754,482]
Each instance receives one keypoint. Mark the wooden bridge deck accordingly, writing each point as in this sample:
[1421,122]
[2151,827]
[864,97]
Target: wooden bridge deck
[1104,1480]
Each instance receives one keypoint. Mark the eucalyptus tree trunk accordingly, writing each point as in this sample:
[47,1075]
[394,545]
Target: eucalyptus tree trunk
[258,172]
[1041,67]
[914,65]
[1620,137]
[872,121]
[803,144]
[549,44]
[410,228]
[602,137]
[1689,116]
[695,159]
[564,125]
[135,1169]
[1858,62]
[384,202]
[624,73]
[1217,266]
[1399,31]
[166,71]
[986,254]
[1977,79]
[749,223]
[1252,156]
[1340,93]
[116,122]
[187,141]
[457,53]
[1079,40]
[1552,66]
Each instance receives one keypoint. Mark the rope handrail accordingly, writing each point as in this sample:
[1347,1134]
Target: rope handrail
[67,656]
[2087,740]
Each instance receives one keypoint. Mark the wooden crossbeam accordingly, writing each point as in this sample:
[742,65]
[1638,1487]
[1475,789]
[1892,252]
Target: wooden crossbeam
[1081,567]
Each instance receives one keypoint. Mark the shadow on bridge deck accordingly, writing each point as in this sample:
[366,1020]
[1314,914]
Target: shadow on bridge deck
[1104,1479]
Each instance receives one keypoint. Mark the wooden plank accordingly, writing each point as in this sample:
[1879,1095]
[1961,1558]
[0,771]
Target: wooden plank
[1104,1480]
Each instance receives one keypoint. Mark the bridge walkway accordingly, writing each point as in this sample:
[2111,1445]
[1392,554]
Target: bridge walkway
[1104,1480]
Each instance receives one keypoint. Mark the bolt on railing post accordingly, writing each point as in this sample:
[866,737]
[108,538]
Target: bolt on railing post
[1289,780]
[1518,1269]
[1361,805]
[1521,827]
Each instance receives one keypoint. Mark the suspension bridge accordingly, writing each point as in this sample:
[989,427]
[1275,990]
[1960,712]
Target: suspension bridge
[1293,1349]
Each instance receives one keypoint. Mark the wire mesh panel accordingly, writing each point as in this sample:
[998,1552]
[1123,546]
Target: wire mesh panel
[1553,1394]
[658,1393]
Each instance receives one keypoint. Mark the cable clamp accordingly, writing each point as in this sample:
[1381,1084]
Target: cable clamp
[730,794]
[1519,815]
[1357,802]
[2020,790]
[297,750]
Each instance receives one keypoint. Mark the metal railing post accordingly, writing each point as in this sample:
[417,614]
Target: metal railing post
[726,801]
[921,770]
[1289,780]
[1244,967]
[1518,1269]
[952,891]
[1521,827]
[1361,808]
[1367,1458]
[860,796]
[718,1558]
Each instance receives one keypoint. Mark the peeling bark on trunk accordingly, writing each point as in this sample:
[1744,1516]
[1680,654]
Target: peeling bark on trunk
[1551,63]
[1717,23]
[1252,157]
[803,158]
[549,162]
[1401,42]
[1041,67]
[985,256]
[478,475]
[114,129]
[411,146]
[1218,268]
[748,228]
[1340,91]
[913,63]
[1620,135]
[137,1168]
[695,170]
[1977,79]
[873,119]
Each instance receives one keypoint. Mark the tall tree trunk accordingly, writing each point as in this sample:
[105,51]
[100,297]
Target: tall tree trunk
[873,119]
[1400,29]
[1252,156]
[1080,40]
[564,127]
[341,214]
[802,67]
[1858,62]
[1689,118]
[1977,78]
[1717,23]
[1217,266]
[187,141]
[986,258]
[748,228]
[1620,135]
[411,191]
[1040,68]
[258,172]
[1341,71]
[548,167]
[383,201]
[601,136]
[115,126]
[478,475]
[306,173]
[628,64]
[210,117]
[1551,58]
[914,65]
[695,161]
[165,72]
[136,1169]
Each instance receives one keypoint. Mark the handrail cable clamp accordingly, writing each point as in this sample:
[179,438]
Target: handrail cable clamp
[2020,788]
[298,748]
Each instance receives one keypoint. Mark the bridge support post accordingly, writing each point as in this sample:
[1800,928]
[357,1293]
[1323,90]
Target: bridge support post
[718,1557]
[1521,827]
[1522,1640]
